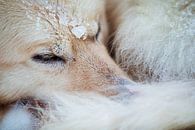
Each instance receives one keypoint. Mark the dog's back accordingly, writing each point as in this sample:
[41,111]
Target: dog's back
[154,38]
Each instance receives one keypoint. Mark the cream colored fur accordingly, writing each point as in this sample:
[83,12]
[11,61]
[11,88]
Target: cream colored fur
[153,107]
[79,93]
[155,38]
[160,106]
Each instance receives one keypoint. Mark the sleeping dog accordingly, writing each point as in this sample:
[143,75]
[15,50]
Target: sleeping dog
[55,73]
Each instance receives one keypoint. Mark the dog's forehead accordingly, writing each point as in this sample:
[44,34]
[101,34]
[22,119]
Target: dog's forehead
[54,20]
[61,20]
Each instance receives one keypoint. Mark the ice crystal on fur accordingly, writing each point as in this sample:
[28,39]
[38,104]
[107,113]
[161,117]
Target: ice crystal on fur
[57,18]
[59,48]
[79,31]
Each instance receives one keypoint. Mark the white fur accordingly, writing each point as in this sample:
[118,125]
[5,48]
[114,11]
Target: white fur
[157,35]
[149,107]
[17,119]
[152,107]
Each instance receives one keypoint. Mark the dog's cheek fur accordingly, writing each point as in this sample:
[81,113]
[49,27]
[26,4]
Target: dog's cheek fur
[20,81]
[155,39]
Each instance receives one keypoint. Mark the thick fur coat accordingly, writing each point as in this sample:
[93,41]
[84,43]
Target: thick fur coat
[155,38]
[56,73]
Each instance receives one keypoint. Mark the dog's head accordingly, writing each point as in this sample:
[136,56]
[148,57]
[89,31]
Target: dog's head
[49,46]
[54,46]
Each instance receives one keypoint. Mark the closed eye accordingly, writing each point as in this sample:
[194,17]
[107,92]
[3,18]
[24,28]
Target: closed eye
[48,59]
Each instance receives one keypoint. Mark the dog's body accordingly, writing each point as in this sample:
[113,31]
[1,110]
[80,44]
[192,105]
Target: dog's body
[155,38]
[55,73]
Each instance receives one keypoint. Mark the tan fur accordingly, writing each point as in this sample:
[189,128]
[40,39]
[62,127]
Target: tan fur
[88,91]
[91,68]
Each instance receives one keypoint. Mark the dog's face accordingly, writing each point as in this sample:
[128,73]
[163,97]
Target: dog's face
[47,46]
[51,47]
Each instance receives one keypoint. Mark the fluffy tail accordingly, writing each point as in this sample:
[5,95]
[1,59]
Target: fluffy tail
[157,106]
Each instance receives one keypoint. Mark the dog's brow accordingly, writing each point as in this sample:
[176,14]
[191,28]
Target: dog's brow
[32,21]
[41,42]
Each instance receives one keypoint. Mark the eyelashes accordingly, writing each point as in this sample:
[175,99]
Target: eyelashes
[48,59]
[51,58]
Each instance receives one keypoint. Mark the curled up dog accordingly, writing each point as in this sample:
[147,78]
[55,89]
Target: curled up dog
[56,73]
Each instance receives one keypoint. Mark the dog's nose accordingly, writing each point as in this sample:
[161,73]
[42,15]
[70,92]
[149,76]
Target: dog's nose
[120,81]
[124,81]
[121,86]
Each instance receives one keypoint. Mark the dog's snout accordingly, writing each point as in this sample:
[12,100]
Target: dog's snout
[120,86]
[121,89]
[123,82]
[120,81]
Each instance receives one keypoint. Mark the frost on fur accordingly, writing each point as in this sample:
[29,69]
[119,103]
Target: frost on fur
[59,17]
[155,39]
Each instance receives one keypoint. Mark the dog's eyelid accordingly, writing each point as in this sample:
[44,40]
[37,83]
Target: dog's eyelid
[44,51]
[47,58]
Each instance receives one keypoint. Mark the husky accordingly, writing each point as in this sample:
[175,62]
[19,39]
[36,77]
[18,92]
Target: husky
[56,74]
